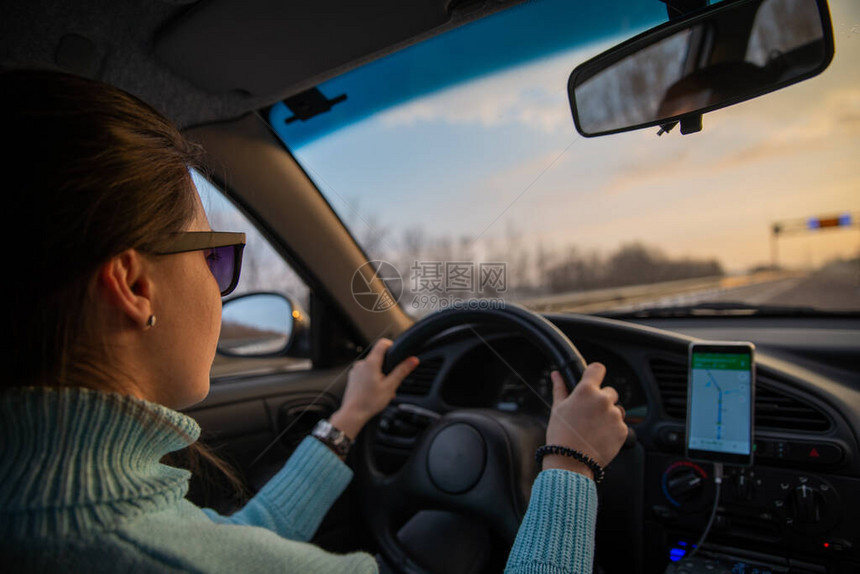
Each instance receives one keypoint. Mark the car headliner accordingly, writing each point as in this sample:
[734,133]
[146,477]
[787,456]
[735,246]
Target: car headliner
[213,60]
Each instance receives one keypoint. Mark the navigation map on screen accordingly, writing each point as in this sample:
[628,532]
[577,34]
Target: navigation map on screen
[720,407]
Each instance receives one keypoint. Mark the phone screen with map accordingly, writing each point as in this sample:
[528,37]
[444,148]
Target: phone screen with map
[720,398]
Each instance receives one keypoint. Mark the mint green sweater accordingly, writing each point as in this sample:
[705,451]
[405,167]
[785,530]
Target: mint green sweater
[82,489]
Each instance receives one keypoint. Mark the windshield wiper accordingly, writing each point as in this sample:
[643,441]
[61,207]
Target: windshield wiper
[723,309]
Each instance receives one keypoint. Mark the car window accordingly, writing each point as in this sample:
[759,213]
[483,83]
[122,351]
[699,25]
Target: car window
[488,169]
[263,270]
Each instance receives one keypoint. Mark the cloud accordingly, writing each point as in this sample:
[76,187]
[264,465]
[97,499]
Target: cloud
[519,96]
[836,117]
[747,138]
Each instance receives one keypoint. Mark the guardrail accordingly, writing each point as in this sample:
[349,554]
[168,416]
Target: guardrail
[604,299]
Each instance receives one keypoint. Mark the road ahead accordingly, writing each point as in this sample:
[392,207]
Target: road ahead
[835,287]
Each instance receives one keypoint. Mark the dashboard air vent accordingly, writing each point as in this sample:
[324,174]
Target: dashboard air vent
[773,409]
[778,411]
[420,381]
[671,378]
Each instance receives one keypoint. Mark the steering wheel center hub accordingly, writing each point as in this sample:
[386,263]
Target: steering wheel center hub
[456,458]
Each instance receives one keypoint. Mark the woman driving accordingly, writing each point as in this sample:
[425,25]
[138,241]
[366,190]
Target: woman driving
[114,302]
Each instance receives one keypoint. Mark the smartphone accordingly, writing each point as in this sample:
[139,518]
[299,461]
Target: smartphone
[720,402]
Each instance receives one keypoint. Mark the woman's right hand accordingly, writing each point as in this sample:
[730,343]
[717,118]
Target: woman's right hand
[369,390]
[587,420]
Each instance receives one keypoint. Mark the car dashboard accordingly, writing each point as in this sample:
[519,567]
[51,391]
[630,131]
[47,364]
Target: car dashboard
[793,510]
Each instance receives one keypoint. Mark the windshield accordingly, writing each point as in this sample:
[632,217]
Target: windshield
[456,163]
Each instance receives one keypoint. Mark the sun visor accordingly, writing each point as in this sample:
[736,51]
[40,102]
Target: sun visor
[264,47]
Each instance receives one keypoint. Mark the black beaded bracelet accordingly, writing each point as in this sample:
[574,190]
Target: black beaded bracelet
[584,459]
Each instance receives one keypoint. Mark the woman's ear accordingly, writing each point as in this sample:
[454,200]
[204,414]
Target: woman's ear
[126,283]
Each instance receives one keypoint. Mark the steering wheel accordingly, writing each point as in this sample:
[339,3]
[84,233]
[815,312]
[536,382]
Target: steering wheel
[477,462]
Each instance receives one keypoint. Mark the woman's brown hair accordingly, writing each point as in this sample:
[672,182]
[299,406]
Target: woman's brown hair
[90,171]
[96,171]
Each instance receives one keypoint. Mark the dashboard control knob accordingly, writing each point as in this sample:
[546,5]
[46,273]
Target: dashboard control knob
[684,483]
[805,504]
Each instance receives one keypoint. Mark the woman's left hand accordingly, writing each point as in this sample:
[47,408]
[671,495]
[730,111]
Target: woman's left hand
[368,390]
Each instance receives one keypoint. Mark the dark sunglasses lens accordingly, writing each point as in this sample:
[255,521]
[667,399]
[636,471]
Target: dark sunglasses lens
[221,261]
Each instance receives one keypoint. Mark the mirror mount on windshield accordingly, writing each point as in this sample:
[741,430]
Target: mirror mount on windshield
[710,59]
[678,10]
[689,125]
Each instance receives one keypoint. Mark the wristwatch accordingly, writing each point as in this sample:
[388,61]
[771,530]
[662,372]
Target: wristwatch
[332,437]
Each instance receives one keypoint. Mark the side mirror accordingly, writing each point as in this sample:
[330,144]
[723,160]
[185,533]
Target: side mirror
[723,55]
[263,325]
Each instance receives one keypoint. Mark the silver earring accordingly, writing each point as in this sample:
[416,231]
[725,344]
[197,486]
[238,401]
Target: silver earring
[150,323]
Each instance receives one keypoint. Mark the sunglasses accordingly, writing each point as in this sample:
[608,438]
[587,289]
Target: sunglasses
[223,253]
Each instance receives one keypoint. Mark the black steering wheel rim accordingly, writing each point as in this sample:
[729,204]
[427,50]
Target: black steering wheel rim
[549,339]
[558,349]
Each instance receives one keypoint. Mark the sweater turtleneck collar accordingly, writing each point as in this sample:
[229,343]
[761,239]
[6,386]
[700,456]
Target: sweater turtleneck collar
[74,459]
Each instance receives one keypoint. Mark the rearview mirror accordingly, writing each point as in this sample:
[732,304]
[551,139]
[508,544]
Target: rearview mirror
[723,55]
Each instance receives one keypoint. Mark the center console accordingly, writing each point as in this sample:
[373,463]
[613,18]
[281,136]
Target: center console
[769,519]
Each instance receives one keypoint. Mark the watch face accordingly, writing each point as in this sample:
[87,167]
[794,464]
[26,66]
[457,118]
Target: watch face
[333,437]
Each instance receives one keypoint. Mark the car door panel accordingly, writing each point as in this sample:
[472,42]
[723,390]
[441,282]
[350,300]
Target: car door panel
[254,423]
